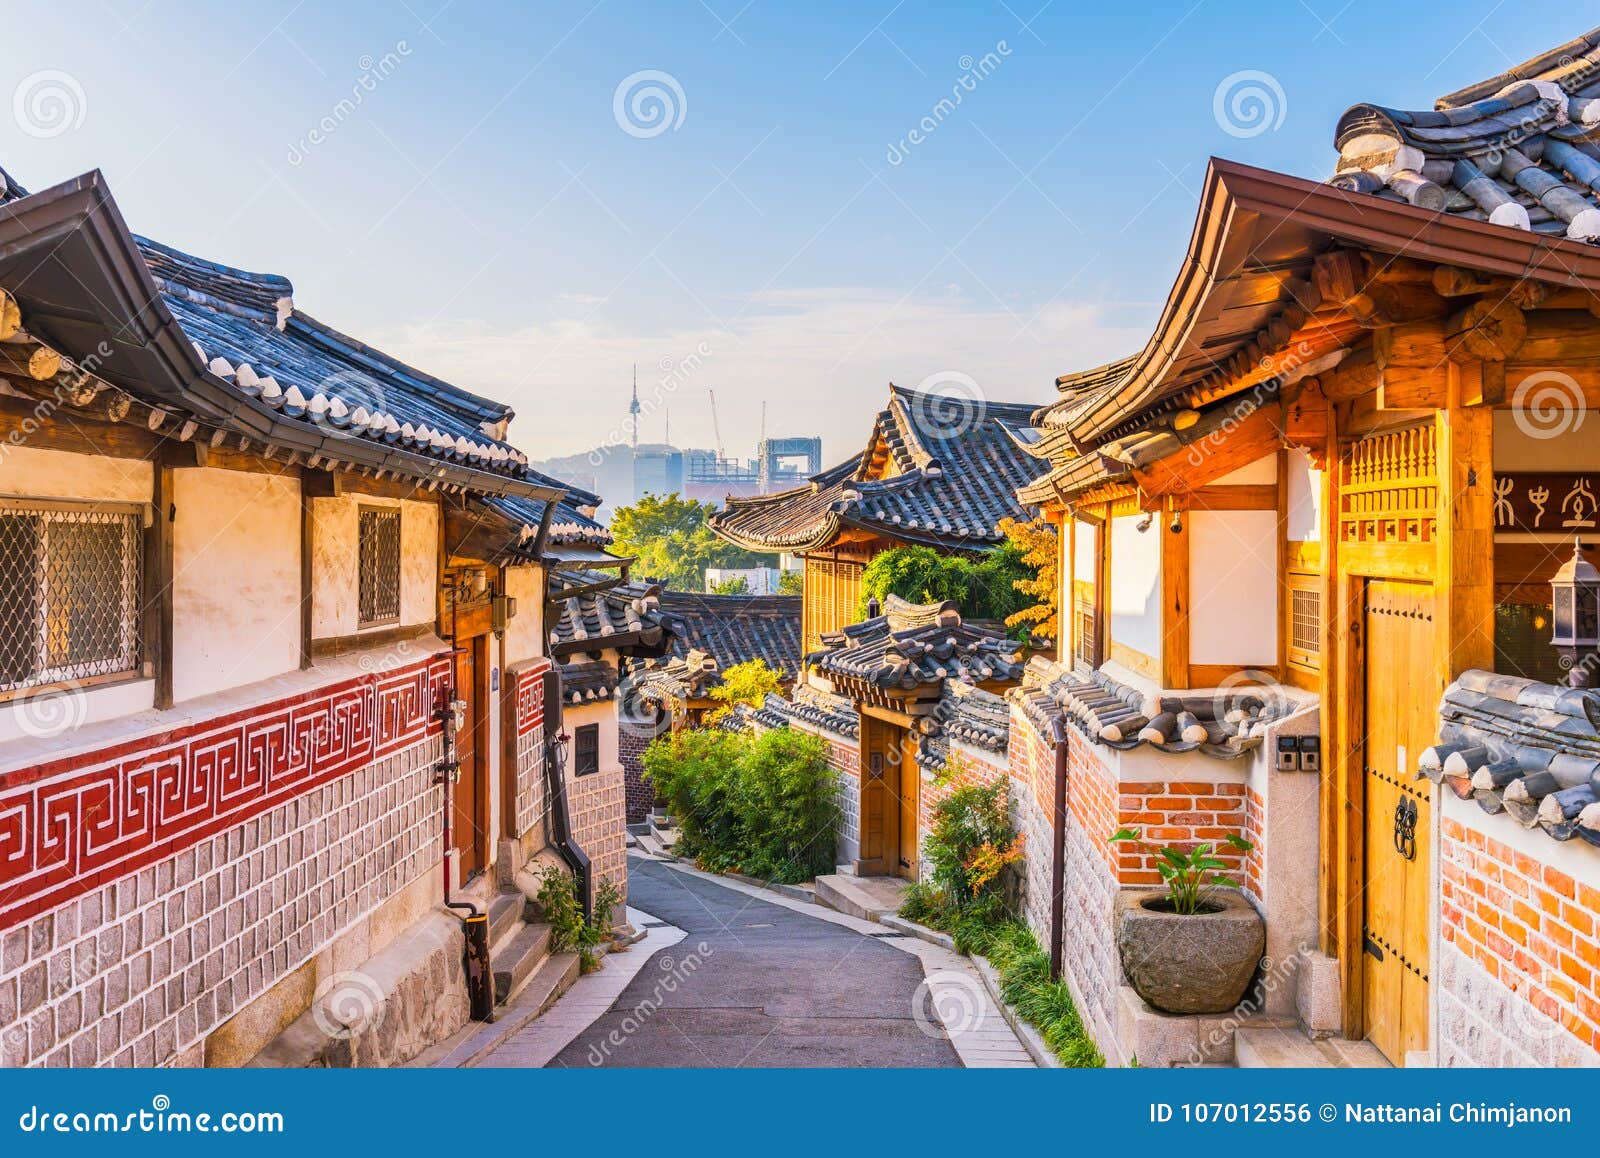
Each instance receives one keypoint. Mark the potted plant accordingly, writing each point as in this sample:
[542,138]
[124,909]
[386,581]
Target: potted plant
[1195,947]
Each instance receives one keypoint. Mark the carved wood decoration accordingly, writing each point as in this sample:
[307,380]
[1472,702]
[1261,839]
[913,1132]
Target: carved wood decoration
[1388,488]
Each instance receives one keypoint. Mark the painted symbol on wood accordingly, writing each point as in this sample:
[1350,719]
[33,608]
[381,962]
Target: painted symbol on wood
[1524,501]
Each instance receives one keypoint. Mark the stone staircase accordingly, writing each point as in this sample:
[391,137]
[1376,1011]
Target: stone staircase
[517,944]
[867,898]
[1283,1047]
[657,836]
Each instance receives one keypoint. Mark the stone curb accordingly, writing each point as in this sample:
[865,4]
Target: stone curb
[794,892]
[1043,1056]
[911,928]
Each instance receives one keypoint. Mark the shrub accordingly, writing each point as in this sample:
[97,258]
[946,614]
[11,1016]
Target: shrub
[561,908]
[764,806]
[788,809]
[982,587]
[696,772]
[972,842]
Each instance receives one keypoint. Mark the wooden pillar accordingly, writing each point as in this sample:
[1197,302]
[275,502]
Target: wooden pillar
[1066,605]
[1174,601]
[306,577]
[158,575]
[1464,562]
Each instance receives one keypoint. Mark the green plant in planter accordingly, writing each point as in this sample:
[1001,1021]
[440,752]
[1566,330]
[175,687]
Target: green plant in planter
[1186,873]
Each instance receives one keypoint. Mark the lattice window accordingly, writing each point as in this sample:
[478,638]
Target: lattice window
[586,750]
[69,592]
[378,597]
[1305,621]
[1088,648]
[1389,488]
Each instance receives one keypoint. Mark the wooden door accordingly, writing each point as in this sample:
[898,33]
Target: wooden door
[880,790]
[469,819]
[910,792]
[1402,703]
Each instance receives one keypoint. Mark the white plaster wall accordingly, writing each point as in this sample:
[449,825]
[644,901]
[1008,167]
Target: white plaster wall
[1262,472]
[1304,506]
[334,580]
[525,633]
[236,579]
[1572,448]
[602,712]
[39,716]
[1136,585]
[1233,587]
[57,474]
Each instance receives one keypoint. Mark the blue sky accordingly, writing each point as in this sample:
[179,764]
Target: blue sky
[477,205]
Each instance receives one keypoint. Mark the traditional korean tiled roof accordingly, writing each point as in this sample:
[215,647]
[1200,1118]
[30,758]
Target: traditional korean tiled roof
[915,645]
[937,470]
[624,616]
[811,706]
[1525,749]
[1227,724]
[1516,149]
[969,715]
[246,331]
[568,527]
[587,681]
[735,629]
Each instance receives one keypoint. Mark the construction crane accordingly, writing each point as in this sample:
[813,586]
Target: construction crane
[716,427]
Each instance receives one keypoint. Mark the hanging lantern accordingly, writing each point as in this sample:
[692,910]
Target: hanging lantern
[1575,631]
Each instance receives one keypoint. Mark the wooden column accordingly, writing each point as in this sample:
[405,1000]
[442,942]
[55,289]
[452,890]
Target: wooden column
[158,574]
[306,577]
[1464,568]
[1174,601]
[1066,611]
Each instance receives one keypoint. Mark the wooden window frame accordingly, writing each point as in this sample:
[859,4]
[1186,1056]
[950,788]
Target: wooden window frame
[381,512]
[586,750]
[55,678]
[1297,657]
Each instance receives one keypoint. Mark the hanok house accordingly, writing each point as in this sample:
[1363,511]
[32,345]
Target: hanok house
[938,471]
[1344,470]
[278,708]
[708,634]
[882,693]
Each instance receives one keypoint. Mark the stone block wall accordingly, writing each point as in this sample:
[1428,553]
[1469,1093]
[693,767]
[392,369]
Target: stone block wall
[1519,948]
[631,745]
[206,865]
[598,808]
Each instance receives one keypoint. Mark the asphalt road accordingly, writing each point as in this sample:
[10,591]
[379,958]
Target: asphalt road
[756,984]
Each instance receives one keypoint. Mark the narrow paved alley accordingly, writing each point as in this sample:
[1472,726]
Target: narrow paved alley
[752,984]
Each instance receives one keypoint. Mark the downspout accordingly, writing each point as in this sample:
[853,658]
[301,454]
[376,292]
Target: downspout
[1058,848]
[475,925]
[560,813]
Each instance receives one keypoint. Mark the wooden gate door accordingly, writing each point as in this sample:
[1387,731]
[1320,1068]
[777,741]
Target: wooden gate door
[910,791]
[880,785]
[469,820]
[1402,697]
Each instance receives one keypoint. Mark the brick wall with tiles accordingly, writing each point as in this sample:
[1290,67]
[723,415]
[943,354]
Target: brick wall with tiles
[1519,962]
[631,745]
[213,861]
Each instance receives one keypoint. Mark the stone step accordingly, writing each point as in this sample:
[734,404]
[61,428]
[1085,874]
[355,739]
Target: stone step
[505,915]
[869,898]
[1270,1047]
[514,962]
[639,829]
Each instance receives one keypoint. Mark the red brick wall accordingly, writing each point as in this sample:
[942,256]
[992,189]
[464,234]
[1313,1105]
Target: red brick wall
[1528,925]
[631,745]
[1181,814]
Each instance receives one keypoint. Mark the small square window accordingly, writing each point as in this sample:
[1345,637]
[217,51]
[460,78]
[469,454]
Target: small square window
[378,569]
[586,750]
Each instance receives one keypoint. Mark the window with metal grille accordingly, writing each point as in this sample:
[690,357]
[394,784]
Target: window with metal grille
[1305,621]
[69,592]
[586,750]
[378,596]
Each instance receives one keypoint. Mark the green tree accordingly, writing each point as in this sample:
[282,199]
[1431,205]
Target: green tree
[1037,547]
[744,683]
[669,536]
[792,583]
[983,587]
[732,585]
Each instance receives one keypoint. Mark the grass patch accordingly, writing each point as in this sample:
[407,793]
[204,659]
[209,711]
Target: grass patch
[1024,969]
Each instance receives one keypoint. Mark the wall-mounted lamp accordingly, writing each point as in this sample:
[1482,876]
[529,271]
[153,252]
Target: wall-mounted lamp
[1177,522]
[1143,524]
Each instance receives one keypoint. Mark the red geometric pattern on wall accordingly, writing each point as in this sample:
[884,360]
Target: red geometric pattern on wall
[530,697]
[73,824]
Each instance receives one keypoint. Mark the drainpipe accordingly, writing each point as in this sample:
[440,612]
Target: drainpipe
[560,812]
[475,925]
[1058,847]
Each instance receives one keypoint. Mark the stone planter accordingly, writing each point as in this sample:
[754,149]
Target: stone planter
[1197,964]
